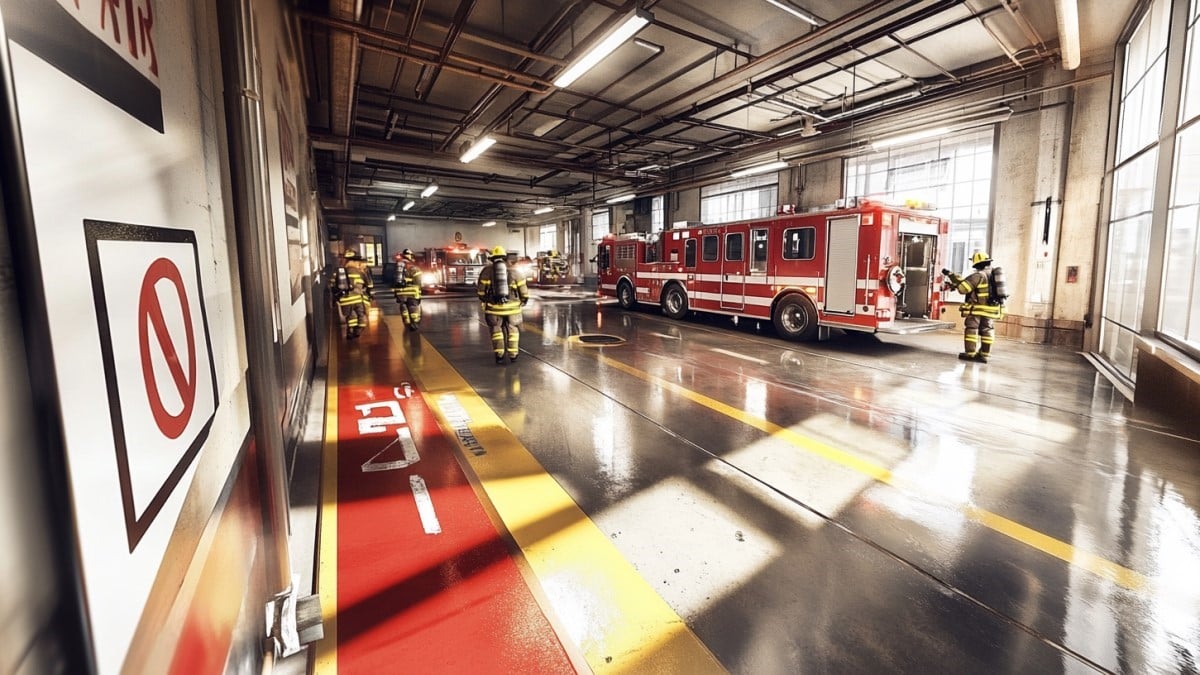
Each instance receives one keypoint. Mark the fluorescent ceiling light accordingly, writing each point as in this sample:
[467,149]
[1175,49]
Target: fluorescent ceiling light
[408,205]
[794,12]
[477,149]
[391,217]
[650,167]
[430,189]
[544,209]
[761,168]
[904,139]
[631,24]
[622,198]
[490,223]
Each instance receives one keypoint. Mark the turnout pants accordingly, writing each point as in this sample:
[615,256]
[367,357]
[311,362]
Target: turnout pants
[506,333]
[978,335]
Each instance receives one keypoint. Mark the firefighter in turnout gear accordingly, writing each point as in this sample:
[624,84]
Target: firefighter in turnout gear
[981,307]
[407,288]
[503,292]
[356,289]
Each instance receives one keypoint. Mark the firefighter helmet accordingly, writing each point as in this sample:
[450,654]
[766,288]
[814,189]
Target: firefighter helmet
[497,252]
[980,259]
[350,254]
[407,254]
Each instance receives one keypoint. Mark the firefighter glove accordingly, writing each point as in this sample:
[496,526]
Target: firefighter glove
[947,272]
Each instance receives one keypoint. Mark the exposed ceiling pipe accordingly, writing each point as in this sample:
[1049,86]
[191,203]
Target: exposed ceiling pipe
[456,28]
[1068,32]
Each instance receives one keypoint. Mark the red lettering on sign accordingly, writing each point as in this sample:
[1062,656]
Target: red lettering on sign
[146,25]
[150,314]
[139,28]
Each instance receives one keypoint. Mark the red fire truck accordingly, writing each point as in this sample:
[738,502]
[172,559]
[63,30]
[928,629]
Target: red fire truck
[868,267]
[459,264]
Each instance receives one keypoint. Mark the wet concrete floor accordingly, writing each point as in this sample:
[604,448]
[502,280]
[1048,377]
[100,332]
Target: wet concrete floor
[864,504]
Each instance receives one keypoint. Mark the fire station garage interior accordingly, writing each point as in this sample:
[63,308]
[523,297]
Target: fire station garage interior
[770,429]
[754,336]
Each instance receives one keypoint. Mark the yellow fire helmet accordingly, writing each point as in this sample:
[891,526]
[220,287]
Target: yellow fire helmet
[407,254]
[980,258]
[497,252]
[350,254]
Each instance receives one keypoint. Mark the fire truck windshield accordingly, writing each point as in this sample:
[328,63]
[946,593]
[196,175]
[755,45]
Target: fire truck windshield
[467,257]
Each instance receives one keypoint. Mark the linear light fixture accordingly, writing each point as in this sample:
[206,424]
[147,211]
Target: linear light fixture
[905,139]
[961,123]
[619,199]
[543,210]
[408,205]
[477,149]
[794,12]
[631,24]
[391,217]
[490,223]
[429,189]
[761,168]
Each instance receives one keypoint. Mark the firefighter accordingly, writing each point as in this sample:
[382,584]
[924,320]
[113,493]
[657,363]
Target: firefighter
[407,288]
[979,307]
[502,290]
[357,290]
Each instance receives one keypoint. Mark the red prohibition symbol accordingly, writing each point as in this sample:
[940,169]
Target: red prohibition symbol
[150,315]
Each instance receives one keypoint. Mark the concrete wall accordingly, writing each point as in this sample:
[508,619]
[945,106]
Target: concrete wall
[1053,150]
[817,184]
[419,234]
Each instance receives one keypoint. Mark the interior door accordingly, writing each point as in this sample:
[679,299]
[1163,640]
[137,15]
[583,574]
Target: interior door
[841,265]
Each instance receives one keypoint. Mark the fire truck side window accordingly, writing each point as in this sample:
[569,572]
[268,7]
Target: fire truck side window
[758,251]
[800,243]
[733,246]
[689,253]
[710,248]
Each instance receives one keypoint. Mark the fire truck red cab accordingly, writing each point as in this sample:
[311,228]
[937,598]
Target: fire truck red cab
[459,264]
[869,267]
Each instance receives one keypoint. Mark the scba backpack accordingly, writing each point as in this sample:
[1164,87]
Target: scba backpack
[998,292]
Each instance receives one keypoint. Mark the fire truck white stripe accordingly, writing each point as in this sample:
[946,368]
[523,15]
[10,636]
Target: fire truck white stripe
[739,356]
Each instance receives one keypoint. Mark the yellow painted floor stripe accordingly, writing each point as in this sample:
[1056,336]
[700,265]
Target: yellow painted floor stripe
[1107,569]
[326,660]
[610,612]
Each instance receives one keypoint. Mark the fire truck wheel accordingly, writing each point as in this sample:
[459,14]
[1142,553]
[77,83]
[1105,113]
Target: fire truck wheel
[625,295]
[674,303]
[796,318]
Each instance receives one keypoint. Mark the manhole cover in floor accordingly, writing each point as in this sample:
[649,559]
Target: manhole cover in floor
[599,340]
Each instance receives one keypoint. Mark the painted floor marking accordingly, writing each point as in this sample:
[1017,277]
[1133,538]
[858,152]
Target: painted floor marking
[736,355]
[429,519]
[405,439]
[667,337]
[606,608]
[1023,534]
[327,564]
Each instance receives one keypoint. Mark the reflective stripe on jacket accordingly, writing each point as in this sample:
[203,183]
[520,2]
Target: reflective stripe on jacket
[410,282]
[518,291]
[975,288]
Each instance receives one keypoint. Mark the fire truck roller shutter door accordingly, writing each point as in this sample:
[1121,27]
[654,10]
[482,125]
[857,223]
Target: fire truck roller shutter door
[795,317]
[674,301]
[625,294]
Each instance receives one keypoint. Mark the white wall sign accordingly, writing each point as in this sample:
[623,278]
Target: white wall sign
[158,364]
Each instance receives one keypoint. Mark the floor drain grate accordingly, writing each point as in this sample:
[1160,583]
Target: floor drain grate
[599,339]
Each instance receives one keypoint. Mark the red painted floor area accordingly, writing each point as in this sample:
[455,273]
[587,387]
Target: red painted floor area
[408,601]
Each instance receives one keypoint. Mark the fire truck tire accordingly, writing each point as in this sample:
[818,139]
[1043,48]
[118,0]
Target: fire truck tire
[796,318]
[625,296]
[674,302]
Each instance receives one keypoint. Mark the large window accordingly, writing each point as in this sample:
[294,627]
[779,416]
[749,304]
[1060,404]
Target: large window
[1133,180]
[952,173]
[548,237]
[1180,315]
[658,214]
[742,199]
[600,221]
